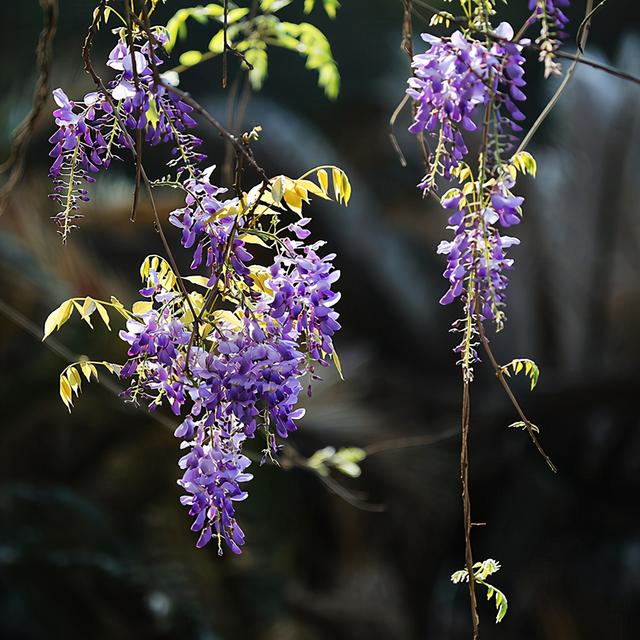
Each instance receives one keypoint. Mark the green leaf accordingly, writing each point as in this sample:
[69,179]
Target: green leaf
[530,368]
[257,58]
[330,6]
[272,6]
[235,14]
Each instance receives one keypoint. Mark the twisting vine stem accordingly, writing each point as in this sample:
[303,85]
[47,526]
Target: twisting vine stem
[15,162]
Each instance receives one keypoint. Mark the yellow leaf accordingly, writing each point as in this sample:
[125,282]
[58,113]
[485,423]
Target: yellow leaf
[199,280]
[141,307]
[294,201]
[65,392]
[347,189]
[57,318]
[228,317]
[103,314]
[277,189]
[85,311]
[249,238]
[323,179]
[313,188]
[337,183]
[74,379]
[260,275]
[119,307]
[85,367]
[336,362]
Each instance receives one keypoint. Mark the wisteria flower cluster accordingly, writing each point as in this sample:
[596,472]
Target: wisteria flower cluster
[471,81]
[459,85]
[227,347]
[553,22]
[92,132]
[451,84]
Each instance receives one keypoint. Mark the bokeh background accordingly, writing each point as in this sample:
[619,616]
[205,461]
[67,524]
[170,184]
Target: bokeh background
[93,542]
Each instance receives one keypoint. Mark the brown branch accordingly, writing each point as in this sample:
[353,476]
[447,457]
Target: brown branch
[292,459]
[88,66]
[57,347]
[24,131]
[138,141]
[499,371]
[582,42]
[466,507]
[225,25]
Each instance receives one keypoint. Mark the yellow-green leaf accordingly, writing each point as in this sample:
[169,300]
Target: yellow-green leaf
[103,314]
[65,392]
[141,307]
[336,362]
[74,379]
[57,318]
[190,58]
[249,238]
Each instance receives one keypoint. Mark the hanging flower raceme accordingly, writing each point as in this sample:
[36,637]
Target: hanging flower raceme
[553,22]
[225,348]
[462,84]
[451,81]
[92,132]
[476,258]
[228,357]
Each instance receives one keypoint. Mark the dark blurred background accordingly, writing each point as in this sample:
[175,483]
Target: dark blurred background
[93,542]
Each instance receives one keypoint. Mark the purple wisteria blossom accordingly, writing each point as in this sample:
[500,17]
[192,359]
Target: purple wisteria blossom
[451,81]
[93,131]
[476,259]
[230,362]
[246,376]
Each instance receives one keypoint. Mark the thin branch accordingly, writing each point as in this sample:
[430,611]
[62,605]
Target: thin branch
[292,459]
[466,507]
[582,42]
[586,22]
[24,131]
[618,73]
[225,25]
[138,141]
[505,385]
[396,444]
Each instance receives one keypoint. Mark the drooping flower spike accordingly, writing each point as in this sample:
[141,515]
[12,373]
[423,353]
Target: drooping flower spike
[453,83]
[94,131]
[229,356]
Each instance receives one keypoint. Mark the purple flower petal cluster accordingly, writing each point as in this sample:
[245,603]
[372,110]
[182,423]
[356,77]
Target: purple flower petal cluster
[247,373]
[451,80]
[92,132]
[476,257]
[214,470]
[228,362]
[303,301]
[156,353]
[207,223]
